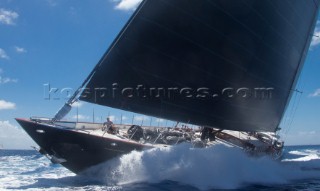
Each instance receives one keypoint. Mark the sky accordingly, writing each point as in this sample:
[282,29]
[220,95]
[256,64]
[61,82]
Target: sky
[55,44]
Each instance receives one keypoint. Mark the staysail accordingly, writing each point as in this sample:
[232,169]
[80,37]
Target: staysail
[226,64]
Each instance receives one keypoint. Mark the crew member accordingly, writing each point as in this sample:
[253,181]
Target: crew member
[108,125]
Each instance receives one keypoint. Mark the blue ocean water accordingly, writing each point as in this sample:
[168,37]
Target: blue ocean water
[177,168]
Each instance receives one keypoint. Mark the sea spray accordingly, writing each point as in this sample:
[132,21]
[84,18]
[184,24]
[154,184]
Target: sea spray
[215,167]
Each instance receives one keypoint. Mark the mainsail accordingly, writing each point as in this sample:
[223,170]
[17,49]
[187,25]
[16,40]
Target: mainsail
[219,63]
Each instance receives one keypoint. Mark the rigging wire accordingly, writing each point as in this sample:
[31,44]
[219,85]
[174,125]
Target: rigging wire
[299,82]
[294,106]
[301,86]
[285,122]
[294,112]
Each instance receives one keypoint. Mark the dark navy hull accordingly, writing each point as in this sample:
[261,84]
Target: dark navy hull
[80,150]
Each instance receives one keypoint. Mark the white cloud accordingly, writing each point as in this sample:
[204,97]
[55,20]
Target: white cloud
[127,5]
[141,118]
[5,80]
[315,94]
[112,118]
[116,119]
[159,120]
[77,104]
[316,36]
[13,137]
[97,119]
[81,117]
[6,105]
[20,49]
[3,54]
[124,118]
[7,17]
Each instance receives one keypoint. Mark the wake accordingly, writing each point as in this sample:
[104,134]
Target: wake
[215,167]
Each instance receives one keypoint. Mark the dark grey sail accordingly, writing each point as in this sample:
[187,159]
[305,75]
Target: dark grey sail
[229,64]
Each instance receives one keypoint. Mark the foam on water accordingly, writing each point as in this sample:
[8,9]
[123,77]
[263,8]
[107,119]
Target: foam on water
[304,155]
[20,171]
[215,167]
[305,158]
[35,172]
[305,152]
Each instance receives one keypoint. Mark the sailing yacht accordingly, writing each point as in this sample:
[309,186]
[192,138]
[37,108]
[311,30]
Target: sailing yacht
[229,67]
